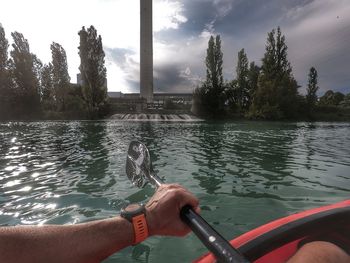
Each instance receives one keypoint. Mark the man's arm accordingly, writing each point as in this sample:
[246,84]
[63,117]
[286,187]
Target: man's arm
[94,241]
[87,242]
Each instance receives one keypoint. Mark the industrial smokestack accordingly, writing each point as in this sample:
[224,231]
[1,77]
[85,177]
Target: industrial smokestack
[146,51]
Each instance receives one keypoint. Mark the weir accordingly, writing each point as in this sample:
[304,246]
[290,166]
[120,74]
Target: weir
[155,117]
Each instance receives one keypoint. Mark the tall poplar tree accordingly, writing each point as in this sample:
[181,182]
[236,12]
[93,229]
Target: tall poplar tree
[277,94]
[214,81]
[312,88]
[253,77]
[25,81]
[93,71]
[209,98]
[242,72]
[48,98]
[5,91]
[60,76]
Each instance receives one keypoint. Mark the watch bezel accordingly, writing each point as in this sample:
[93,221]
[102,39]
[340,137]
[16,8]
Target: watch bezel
[128,215]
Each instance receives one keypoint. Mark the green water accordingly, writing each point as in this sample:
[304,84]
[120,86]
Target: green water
[244,173]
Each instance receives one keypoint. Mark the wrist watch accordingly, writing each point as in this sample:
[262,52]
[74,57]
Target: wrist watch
[136,214]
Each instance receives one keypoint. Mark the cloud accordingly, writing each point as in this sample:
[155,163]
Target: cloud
[223,7]
[122,69]
[317,34]
[175,78]
[168,15]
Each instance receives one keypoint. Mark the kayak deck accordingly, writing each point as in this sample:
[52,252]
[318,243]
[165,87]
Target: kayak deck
[277,241]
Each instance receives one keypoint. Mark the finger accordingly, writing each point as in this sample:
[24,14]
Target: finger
[187,198]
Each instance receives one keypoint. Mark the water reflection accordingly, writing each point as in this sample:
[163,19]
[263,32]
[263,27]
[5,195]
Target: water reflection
[69,172]
[94,165]
[210,173]
[141,253]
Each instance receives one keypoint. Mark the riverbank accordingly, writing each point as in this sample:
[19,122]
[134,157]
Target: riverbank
[322,114]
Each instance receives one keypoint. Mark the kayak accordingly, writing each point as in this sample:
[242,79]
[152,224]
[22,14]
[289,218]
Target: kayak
[278,240]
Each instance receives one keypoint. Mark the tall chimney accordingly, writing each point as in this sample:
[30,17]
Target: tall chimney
[146,51]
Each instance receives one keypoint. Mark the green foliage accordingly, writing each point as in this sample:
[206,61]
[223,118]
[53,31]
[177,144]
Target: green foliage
[312,88]
[239,92]
[23,66]
[60,76]
[242,88]
[276,96]
[200,100]
[93,71]
[6,93]
[331,98]
[253,77]
[29,89]
[345,103]
[230,94]
[214,61]
[209,98]
[75,101]
[47,94]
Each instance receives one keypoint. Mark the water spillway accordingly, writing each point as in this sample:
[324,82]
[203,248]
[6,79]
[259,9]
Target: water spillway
[154,117]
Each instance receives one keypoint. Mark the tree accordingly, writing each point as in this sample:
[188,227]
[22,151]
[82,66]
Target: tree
[253,76]
[37,68]
[25,81]
[5,90]
[211,94]
[277,93]
[48,99]
[331,98]
[60,76]
[242,80]
[93,71]
[214,61]
[231,96]
[312,88]
[345,103]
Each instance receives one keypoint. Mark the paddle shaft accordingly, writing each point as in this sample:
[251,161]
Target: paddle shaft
[215,243]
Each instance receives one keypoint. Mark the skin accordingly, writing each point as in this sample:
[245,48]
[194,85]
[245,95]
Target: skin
[94,241]
[320,252]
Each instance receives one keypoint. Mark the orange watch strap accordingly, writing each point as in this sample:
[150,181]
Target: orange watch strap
[140,228]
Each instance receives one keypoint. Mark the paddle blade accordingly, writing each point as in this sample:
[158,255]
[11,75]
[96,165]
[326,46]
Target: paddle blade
[138,164]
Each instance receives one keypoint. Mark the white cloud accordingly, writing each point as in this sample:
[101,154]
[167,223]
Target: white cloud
[208,29]
[168,15]
[223,7]
[318,35]
[117,21]
[315,34]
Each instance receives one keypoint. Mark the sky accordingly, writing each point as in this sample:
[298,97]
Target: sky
[317,34]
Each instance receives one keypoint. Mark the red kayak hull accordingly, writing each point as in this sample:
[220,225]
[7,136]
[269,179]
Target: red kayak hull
[277,241]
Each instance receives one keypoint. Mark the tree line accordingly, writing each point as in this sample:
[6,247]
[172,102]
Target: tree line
[269,91]
[30,89]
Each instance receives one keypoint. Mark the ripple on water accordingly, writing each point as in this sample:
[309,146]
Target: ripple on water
[245,173]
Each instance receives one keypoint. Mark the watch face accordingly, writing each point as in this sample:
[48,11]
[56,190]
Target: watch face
[132,207]
[132,210]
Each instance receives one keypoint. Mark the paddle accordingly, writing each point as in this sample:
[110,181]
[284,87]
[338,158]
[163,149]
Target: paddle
[139,171]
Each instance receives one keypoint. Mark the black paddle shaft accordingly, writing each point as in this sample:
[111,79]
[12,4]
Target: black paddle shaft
[220,247]
[139,170]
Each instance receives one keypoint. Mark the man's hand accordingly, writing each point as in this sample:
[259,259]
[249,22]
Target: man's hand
[163,210]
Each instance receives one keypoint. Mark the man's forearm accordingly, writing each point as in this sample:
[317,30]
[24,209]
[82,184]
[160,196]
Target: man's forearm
[87,242]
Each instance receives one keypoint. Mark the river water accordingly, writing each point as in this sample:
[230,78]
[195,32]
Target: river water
[244,173]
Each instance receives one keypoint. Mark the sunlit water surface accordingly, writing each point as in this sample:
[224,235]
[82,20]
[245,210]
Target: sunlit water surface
[244,173]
